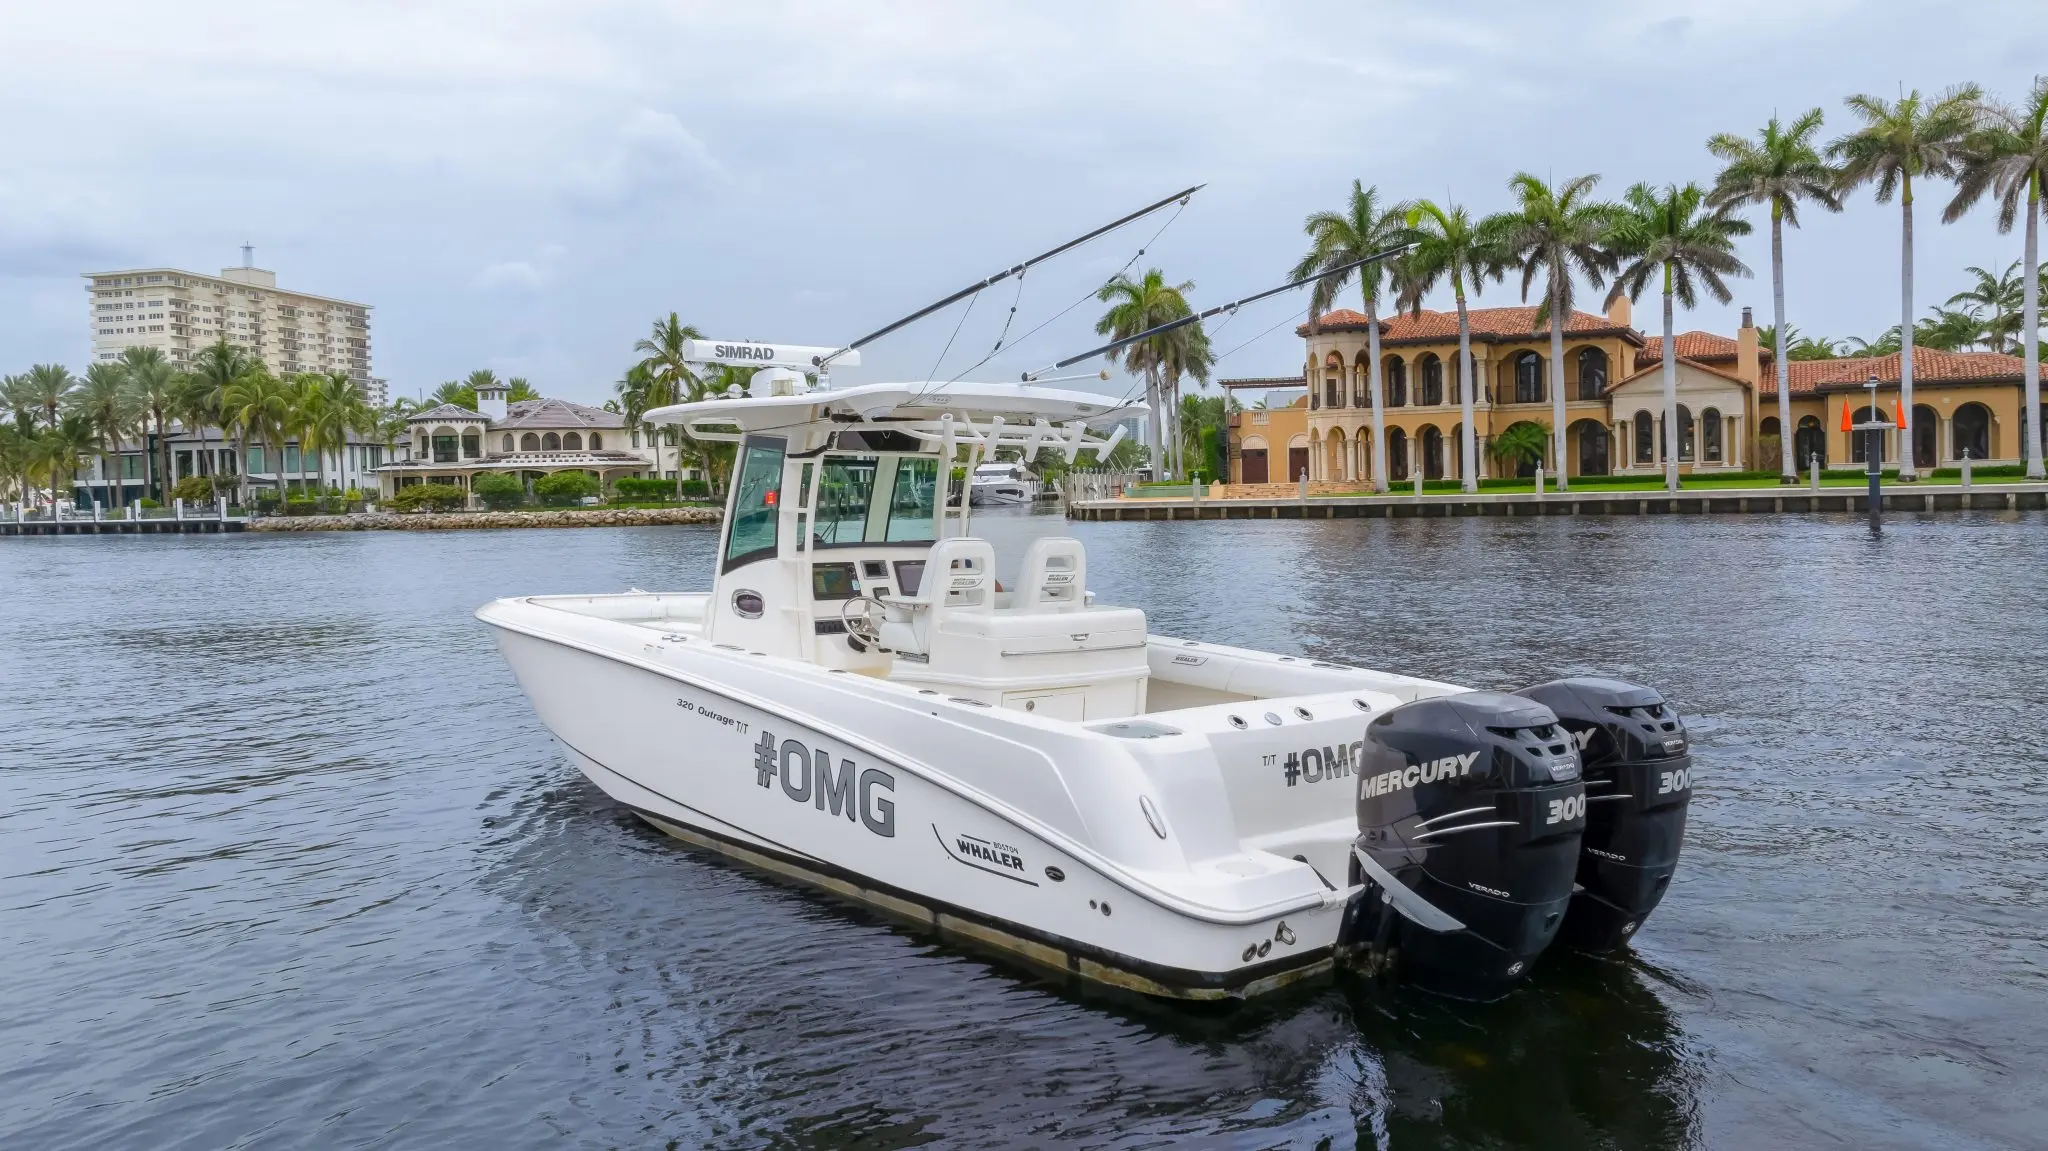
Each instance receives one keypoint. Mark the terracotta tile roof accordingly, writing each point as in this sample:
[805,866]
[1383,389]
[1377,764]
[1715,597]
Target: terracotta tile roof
[1930,367]
[1691,346]
[1657,365]
[1262,382]
[1489,325]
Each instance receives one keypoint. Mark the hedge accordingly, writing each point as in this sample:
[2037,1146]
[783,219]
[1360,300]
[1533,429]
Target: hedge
[430,497]
[565,488]
[498,491]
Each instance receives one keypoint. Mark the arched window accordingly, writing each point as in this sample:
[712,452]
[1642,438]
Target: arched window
[1361,386]
[1528,378]
[1432,381]
[507,445]
[1685,433]
[1592,447]
[1397,454]
[1592,373]
[1710,435]
[1397,384]
[1646,439]
[551,443]
[1768,428]
[1432,453]
[596,442]
[1333,381]
[572,442]
[529,442]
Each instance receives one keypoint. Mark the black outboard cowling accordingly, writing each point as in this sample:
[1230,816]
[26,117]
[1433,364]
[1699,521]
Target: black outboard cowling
[1469,813]
[1638,767]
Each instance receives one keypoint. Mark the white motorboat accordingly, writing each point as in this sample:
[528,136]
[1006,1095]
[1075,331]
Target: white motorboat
[1002,483]
[862,702]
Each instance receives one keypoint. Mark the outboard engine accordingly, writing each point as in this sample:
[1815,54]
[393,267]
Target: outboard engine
[1469,814]
[1638,768]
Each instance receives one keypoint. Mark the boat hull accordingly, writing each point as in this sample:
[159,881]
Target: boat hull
[677,736]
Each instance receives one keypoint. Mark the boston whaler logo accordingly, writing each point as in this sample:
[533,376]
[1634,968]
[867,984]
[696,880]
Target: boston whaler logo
[1448,767]
[807,777]
[985,854]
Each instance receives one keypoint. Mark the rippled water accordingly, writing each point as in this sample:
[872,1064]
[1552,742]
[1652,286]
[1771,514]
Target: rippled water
[285,860]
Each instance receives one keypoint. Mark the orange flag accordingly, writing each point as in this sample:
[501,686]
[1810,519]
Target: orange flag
[1899,409]
[1847,419]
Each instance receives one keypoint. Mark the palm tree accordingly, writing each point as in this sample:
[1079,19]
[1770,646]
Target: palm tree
[2002,296]
[1338,238]
[155,383]
[455,392]
[1950,329]
[1887,343]
[1143,303]
[517,389]
[668,375]
[1524,440]
[2008,157]
[1899,140]
[312,414]
[44,388]
[1560,233]
[258,406]
[107,403]
[214,369]
[1673,234]
[58,450]
[1777,169]
[1449,246]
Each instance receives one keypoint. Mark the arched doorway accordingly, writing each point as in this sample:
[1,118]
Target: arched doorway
[1685,434]
[1592,436]
[1645,431]
[1297,459]
[1339,465]
[1251,461]
[1808,443]
[1859,442]
[1432,381]
[1396,382]
[1528,378]
[1926,436]
[1432,452]
[1972,431]
[1397,454]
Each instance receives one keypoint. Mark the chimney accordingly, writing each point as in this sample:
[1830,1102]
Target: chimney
[1620,314]
[490,402]
[1746,350]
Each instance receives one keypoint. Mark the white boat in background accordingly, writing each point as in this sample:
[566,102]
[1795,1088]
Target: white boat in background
[869,698]
[1002,482]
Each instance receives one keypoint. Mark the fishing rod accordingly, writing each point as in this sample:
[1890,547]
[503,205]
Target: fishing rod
[1181,196]
[1184,321]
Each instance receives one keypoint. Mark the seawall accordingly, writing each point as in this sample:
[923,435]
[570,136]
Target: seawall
[463,521]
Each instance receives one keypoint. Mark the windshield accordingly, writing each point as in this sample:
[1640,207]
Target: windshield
[751,534]
[845,485]
[912,502]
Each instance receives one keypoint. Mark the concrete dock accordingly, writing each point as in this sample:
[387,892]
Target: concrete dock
[1589,502]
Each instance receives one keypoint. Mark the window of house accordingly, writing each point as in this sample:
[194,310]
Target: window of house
[529,442]
[472,445]
[572,442]
[1646,439]
[1685,433]
[596,442]
[506,444]
[445,448]
[1397,382]
[551,442]
[1432,381]
[1710,435]
[1528,378]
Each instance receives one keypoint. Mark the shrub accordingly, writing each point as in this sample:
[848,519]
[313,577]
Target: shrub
[696,490]
[499,491]
[353,495]
[429,497]
[565,488]
[193,489]
[301,506]
[644,490]
[149,504]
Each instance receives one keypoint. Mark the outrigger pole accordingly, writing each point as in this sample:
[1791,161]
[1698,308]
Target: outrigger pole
[1180,196]
[1184,321]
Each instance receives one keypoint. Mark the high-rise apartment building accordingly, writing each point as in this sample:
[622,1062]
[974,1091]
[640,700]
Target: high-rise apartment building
[182,312]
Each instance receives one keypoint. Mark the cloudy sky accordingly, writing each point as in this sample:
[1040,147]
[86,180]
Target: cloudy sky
[525,186]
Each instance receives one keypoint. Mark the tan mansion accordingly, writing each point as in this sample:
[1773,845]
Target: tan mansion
[1727,400]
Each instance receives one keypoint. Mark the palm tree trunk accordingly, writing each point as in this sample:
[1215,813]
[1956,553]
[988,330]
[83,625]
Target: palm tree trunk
[1788,468]
[1153,426]
[1670,392]
[2030,340]
[1379,418]
[1468,441]
[1557,321]
[1906,330]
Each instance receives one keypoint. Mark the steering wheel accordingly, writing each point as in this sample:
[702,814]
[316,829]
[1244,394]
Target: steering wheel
[866,624]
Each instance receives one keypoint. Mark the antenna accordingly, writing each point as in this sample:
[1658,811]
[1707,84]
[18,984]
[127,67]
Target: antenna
[248,255]
[999,277]
[1184,321]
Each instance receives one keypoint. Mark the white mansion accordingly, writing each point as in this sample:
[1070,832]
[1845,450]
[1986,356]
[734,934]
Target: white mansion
[450,444]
